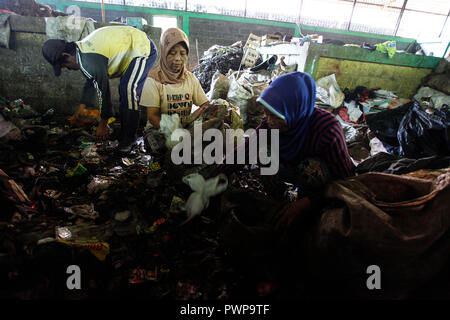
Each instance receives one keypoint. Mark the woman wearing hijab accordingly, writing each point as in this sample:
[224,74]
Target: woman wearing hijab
[170,88]
[312,147]
[306,132]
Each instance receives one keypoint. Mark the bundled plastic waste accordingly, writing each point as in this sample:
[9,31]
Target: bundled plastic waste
[217,58]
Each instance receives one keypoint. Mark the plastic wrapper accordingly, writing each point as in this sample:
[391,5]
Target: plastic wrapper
[77,171]
[98,183]
[376,146]
[86,211]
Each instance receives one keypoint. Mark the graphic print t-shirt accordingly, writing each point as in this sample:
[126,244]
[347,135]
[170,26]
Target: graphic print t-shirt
[173,98]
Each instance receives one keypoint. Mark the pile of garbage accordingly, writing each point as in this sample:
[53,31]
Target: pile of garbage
[123,220]
[240,88]
[218,58]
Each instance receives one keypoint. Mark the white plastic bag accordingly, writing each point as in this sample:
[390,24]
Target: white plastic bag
[353,111]
[203,190]
[436,98]
[167,126]
[332,93]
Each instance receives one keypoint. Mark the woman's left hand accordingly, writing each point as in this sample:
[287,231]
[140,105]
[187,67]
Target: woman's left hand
[290,212]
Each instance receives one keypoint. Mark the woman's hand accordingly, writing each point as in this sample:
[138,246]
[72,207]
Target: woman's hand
[290,212]
[154,116]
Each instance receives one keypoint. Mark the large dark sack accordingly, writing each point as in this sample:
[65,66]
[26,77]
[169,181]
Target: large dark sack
[422,134]
[384,125]
[398,223]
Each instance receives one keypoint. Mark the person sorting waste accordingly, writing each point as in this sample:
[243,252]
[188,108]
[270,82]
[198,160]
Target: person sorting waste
[312,147]
[108,52]
[170,87]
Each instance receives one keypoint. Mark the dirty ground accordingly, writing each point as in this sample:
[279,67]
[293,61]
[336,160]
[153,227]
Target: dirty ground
[117,218]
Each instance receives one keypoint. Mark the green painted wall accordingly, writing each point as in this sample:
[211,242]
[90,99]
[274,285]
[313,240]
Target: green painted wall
[354,66]
[61,4]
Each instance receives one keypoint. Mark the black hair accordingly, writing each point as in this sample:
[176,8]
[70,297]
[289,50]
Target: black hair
[70,48]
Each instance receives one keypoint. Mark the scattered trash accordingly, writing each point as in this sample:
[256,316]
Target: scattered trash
[86,211]
[122,216]
[77,171]
[155,166]
[127,162]
[99,183]
[52,194]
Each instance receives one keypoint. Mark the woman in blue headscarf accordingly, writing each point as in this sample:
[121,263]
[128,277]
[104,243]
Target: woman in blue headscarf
[311,139]
[312,151]
[312,147]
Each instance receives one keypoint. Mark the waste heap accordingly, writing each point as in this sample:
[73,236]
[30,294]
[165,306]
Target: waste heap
[218,58]
[30,8]
[118,218]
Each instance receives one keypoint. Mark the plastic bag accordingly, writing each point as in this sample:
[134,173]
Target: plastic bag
[167,126]
[428,97]
[384,125]
[203,190]
[239,94]
[329,92]
[389,47]
[421,134]
[220,85]
[353,111]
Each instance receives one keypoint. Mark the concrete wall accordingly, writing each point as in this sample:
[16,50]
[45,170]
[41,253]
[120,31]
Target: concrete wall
[210,32]
[25,74]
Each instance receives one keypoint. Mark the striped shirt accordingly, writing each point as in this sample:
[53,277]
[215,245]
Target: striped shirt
[325,140]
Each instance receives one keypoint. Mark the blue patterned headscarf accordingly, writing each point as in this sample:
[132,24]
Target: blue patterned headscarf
[292,98]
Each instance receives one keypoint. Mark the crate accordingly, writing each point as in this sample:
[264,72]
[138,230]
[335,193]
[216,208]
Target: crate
[253,42]
[270,38]
[250,58]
